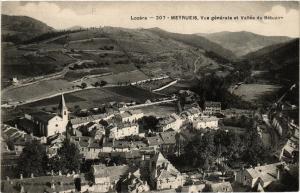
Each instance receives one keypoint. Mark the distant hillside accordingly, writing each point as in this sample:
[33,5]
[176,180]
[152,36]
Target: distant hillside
[17,29]
[282,60]
[242,43]
[196,41]
[117,50]
[75,27]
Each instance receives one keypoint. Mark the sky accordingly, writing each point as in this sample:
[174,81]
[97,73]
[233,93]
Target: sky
[63,14]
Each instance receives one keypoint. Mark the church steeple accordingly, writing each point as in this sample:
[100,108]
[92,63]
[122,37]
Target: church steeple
[62,109]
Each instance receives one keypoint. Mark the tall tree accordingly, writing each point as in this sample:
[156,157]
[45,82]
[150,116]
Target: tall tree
[33,159]
[68,158]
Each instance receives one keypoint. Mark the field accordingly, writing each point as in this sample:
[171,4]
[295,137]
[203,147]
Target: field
[155,84]
[85,99]
[37,90]
[252,92]
[77,74]
[50,87]
[94,97]
[161,110]
[140,95]
[122,77]
[19,63]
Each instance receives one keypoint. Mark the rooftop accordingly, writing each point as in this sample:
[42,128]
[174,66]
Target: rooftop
[114,172]
[43,116]
[168,137]
[221,187]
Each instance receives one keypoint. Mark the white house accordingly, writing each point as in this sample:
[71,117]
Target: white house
[205,122]
[122,130]
[171,122]
[190,113]
[130,116]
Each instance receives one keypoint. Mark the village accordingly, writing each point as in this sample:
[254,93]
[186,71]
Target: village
[149,97]
[119,149]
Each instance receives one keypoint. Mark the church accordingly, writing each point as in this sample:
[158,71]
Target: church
[48,124]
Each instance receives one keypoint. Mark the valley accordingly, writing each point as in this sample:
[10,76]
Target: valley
[120,105]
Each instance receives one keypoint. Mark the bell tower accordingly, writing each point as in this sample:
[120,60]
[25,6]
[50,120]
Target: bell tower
[63,111]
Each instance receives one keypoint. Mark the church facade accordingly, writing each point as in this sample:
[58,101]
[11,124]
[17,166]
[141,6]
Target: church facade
[49,124]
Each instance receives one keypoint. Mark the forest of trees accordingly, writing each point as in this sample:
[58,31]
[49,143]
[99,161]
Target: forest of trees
[34,160]
[214,88]
[204,149]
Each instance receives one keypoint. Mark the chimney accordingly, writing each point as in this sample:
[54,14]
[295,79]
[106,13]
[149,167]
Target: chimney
[129,174]
[32,176]
[21,176]
[59,173]
[52,185]
[22,189]
[7,178]
[278,171]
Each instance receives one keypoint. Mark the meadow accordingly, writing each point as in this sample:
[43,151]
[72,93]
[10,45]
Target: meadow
[252,92]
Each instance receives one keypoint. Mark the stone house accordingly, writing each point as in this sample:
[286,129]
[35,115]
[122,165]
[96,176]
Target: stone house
[264,174]
[163,175]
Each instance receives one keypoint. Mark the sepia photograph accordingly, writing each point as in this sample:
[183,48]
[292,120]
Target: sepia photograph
[149,96]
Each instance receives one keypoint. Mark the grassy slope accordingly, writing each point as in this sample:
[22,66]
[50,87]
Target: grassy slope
[22,28]
[243,42]
[281,60]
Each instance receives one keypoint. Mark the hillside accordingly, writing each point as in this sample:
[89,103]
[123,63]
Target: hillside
[111,49]
[20,28]
[281,60]
[242,43]
[196,41]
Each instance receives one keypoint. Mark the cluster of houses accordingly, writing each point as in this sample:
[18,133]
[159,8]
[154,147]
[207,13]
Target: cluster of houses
[153,172]
[143,165]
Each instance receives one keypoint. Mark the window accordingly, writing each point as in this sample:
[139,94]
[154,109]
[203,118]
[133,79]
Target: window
[56,125]
[65,113]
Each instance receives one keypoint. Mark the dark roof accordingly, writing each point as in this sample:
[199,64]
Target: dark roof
[126,144]
[168,137]
[26,124]
[84,141]
[155,140]
[41,184]
[42,116]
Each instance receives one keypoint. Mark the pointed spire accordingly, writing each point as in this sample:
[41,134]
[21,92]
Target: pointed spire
[62,103]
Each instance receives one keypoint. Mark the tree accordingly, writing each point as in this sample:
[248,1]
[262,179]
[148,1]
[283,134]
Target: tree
[68,157]
[148,123]
[103,83]
[33,159]
[199,151]
[83,85]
